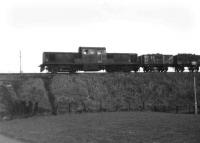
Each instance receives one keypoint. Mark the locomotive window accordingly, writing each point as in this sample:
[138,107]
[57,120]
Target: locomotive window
[85,52]
[99,52]
[91,51]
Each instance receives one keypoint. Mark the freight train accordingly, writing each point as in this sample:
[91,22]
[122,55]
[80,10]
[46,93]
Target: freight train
[96,59]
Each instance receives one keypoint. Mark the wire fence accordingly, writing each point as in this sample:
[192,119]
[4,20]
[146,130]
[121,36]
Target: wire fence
[71,107]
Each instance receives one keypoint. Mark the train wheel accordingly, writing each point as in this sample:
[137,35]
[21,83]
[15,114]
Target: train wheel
[109,70]
[176,69]
[126,70]
[182,69]
[162,69]
[197,69]
[54,71]
[146,69]
[165,69]
[136,70]
[191,70]
[72,71]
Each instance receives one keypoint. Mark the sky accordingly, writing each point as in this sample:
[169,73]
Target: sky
[127,26]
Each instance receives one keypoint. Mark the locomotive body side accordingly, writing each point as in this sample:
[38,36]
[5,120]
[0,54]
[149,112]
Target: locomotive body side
[59,61]
[122,62]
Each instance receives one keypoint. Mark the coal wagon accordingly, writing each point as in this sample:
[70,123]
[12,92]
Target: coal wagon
[191,61]
[155,62]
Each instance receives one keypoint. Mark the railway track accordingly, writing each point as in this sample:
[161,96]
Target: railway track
[66,73]
[13,76]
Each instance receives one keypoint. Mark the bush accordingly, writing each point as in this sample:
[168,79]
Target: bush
[124,91]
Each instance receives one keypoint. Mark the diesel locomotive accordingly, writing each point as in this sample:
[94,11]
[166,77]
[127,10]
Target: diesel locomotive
[96,59]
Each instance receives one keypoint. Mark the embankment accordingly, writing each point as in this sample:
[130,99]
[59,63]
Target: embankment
[95,92]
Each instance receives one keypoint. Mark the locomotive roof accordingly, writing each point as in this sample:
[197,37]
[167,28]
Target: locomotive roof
[122,53]
[61,52]
[80,48]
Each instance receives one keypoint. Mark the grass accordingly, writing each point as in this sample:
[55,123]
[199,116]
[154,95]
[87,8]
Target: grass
[113,127]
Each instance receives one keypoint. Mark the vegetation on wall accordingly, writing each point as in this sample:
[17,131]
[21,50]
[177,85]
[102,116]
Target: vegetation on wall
[99,92]
[124,91]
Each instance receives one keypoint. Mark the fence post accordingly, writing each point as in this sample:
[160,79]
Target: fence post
[195,97]
[189,109]
[69,107]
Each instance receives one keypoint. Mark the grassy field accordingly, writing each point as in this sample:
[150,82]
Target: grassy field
[113,127]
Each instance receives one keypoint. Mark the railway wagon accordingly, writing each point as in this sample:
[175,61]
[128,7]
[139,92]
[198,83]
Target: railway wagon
[191,61]
[155,62]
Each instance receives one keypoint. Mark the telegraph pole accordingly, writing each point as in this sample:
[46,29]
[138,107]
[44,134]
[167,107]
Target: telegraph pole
[195,97]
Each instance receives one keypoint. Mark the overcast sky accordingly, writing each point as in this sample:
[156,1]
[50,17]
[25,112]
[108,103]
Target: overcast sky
[135,26]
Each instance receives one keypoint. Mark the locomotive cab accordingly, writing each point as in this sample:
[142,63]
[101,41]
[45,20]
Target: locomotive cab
[92,54]
[92,58]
